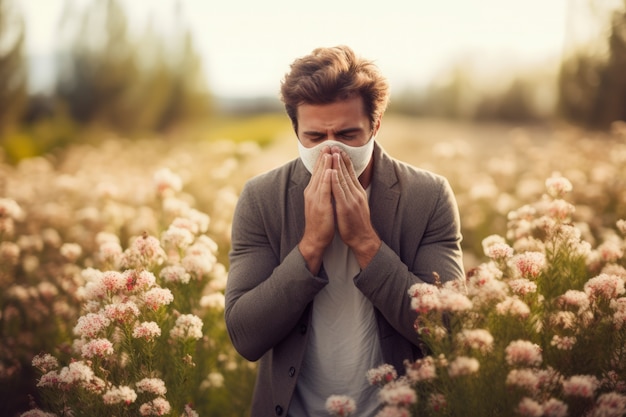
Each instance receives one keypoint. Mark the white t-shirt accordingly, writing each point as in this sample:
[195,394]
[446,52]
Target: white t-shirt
[343,344]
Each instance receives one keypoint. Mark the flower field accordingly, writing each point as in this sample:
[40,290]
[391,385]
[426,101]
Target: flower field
[113,262]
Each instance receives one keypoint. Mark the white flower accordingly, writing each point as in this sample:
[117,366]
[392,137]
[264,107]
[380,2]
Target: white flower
[463,365]
[154,386]
[188,326]
[121,394]
[340,405]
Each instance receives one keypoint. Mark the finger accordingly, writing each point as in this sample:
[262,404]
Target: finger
[339,186]
[324,162]
[326,183]
[338,192]
[350,179]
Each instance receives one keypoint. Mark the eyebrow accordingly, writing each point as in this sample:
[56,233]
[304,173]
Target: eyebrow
[340,132]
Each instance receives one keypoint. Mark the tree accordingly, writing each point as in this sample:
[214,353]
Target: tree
[98,75]
[13,74]
[592,87]
[111,79]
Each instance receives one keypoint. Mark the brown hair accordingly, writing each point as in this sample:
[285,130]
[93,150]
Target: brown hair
[332,74]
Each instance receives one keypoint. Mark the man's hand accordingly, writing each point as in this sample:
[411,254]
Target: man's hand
[352,208]
[319,219]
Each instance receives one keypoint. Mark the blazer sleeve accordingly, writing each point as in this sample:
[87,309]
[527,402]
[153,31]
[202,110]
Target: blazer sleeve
[265,297]
[428,240]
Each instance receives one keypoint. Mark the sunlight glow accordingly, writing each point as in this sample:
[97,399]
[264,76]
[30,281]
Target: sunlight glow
[247,45]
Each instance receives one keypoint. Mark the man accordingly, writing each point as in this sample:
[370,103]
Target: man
[325,247]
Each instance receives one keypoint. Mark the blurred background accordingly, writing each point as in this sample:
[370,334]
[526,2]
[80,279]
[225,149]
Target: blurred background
[98,95]
[155,67]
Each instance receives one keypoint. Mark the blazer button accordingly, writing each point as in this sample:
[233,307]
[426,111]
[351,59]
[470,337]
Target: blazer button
[292,371]
[279,410]
[302,328]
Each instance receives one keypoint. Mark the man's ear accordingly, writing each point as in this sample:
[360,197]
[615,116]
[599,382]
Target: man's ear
[377,126]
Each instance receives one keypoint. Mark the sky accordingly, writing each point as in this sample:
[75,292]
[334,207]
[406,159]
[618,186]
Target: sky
[248,45]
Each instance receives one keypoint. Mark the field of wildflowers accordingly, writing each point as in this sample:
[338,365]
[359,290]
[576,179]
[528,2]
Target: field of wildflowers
[113,261]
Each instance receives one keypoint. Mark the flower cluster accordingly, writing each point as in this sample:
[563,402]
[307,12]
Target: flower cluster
[125,313]
[538,330]
[102,280]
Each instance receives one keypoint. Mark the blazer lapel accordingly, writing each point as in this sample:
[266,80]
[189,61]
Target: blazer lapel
[298,182]
[384,196]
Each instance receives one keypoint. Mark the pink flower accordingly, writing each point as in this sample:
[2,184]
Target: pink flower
[76,372]
[393,411]
[604,285]
[157,407]
[513,306]
[113,281]
[621,225]
[148,330]
[9,253]
[214,301]
[610,404]
[91,325]
[563,319]
[558,186]
[499,251]
[121,394]
[36,412]
[145,251]
[563,342]
[421,370]
[45,362]
[478,339]
[522,286]
[122,312]
[523,352]
[580,386]
[453,301]
[554,408]
[610,251]
[189,412]
[166,182]
[49,379]
[200,220]
[110,252]
[463,365]
[71,251]
[437,402]
[138,280]
[560,210]
[154,386]
[426,302]
[398,394]
[177,237]
[340,405]
[381,375]
[524,378]
[175,274]
[574,298]
[422,289]
[9,208]
[199,264]
[529,264]
[528,407]
[188,326]
[157,297]
[97,348]
[619,317]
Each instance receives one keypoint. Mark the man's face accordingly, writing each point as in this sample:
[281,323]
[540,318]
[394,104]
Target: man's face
[344,121]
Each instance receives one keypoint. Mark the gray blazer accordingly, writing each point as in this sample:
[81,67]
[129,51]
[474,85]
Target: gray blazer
[270,291]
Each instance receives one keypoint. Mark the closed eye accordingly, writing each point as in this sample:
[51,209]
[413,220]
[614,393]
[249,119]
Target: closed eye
[349,134]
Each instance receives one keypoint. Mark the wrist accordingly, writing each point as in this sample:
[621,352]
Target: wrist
[312,255]
[366,250]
